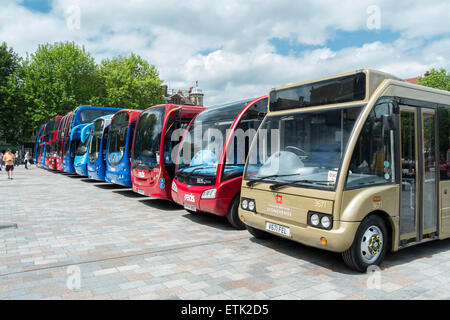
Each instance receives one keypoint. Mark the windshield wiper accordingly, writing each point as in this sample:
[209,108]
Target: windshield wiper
[195,169]
[252,182]
[290,183]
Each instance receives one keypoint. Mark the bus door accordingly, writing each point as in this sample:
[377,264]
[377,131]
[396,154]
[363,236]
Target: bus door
[418,200]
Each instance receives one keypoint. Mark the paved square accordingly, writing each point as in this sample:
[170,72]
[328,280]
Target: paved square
[81,239]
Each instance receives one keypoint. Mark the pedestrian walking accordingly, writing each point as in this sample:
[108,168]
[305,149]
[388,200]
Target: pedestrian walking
[16,159]
[27,160]
[9,158]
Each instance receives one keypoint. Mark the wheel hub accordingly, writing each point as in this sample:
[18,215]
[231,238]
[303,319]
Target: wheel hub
[374,244]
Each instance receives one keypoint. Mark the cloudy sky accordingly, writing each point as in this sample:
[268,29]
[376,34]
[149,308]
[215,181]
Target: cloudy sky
[238,49]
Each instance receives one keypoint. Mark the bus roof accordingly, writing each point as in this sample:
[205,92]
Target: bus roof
[356,86]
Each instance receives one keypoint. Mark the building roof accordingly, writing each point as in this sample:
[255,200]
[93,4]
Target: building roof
[412,80]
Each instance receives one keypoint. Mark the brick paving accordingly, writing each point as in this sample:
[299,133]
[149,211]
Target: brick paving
[80,239]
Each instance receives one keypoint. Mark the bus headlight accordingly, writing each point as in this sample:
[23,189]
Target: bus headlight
[320,220]
[315,220]
[174,186]
[251,205]
[209,194]
[248,204]
[325,222]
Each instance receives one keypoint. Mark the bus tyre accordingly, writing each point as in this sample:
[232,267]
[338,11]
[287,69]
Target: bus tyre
[369,246]
[258,234]
[233,214]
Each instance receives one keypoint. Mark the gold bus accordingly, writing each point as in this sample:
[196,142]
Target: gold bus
[354,163]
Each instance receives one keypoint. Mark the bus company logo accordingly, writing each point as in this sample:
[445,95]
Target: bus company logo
[189,197]
[279,199]
[200,180]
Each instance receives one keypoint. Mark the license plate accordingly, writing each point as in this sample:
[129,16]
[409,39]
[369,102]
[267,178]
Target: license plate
[190,207]
[278,229]
[141,191]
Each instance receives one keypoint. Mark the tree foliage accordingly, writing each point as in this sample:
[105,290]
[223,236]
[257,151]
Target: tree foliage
[58,77]
[129,82]
[12,104]
[439,79]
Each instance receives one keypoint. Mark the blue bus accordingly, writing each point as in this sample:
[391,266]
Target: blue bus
[37,147]
[119,146]
[81,154]
[45,141]
[81,115]
[96,165]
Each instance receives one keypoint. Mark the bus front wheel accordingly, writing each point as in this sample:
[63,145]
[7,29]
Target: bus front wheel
[233,214]
[369,246]
[258,234]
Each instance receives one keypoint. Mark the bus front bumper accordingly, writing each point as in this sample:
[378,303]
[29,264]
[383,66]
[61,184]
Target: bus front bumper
[338,239]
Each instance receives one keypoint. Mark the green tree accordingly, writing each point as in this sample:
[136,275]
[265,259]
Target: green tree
[129,82]
[12,104]
[58,77]
[439,79]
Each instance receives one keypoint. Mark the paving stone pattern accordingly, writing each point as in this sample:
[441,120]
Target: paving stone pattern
[81,239]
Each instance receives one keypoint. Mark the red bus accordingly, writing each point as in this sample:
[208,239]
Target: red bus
[53,132]
[154,147]
[209,168]
[65,124]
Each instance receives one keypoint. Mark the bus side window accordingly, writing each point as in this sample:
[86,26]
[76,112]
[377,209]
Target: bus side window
[130,138]
[242,138]
[444,147]
[372,161]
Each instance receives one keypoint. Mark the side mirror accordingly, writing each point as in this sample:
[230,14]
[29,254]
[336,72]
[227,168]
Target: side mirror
[388,122]
[148,153]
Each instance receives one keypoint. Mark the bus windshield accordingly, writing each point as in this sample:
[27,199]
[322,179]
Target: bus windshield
[67,132]
[301,149]
[147,137]
[95,141]
[83,147]
[89,115]
[118,137]
[203,141]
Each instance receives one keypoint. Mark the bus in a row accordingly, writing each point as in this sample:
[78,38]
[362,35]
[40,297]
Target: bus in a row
[209,168]
[350,164]
[356,163]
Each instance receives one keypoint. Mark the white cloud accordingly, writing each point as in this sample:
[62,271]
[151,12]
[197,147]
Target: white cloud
[241,61]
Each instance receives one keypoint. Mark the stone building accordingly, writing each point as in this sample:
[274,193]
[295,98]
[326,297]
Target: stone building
[193,96]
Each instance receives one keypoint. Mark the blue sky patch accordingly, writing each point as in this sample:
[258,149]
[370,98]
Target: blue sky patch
[341,40]
[42,6]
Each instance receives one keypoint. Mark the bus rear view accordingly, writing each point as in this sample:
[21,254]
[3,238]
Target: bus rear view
[335,166]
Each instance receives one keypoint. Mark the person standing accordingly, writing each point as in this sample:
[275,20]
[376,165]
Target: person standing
[9,161]
[16,159]
[27,160]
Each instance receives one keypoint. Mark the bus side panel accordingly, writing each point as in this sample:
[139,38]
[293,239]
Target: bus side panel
[444,196]
[359,203]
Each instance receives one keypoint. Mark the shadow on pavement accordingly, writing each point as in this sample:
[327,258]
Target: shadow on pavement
[210,220]
[109,186]
[333,261]
[89,180]
[129,193]
[161,204]
[75,176]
